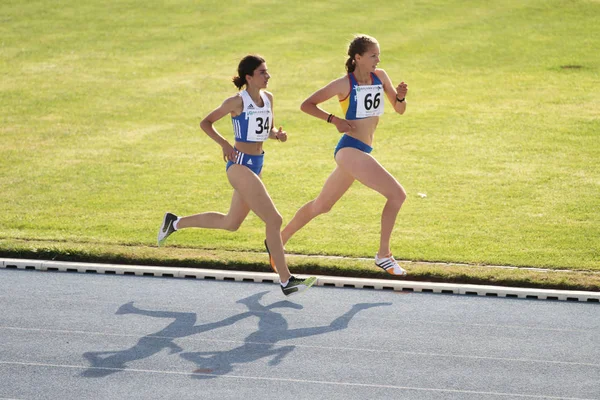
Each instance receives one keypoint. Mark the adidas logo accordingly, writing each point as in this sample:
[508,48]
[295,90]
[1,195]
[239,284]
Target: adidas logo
[250,107]
[249,162]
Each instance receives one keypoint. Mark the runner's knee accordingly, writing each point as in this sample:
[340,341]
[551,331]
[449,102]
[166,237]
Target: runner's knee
[233,225]
[274,220]
[320,207]
[397,197]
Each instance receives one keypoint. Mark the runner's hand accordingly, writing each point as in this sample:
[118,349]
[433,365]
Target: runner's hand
[229,153]
[281,135]
[402,89]
[342,125]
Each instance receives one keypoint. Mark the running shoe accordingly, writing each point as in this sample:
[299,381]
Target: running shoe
[166,228]
[271,262]
[390,265]
[296,285]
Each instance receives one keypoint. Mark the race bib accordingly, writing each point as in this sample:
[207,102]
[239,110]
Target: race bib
[259,125]
[369,101]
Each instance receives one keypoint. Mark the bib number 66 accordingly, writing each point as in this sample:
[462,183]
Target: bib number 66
[372,101]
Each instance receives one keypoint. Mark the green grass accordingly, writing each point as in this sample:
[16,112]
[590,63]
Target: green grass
[101,104]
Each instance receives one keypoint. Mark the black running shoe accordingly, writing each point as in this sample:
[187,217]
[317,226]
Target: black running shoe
[271,262]
[296,285]
[166,228]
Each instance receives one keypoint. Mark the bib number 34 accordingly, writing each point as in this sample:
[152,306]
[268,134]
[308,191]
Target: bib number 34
[262,126]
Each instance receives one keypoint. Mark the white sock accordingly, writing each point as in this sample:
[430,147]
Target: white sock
[284,284]
[176,222]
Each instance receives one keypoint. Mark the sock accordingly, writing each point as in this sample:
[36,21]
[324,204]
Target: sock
[284,284]
[176,222]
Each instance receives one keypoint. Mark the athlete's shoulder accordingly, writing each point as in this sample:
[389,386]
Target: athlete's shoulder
[344,78]
[383,77]
[341,86]
[236,99]
[233,104]
[268,94]
[381,74]
[341,82]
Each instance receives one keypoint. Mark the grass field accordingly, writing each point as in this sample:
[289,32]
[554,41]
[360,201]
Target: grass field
[101,104]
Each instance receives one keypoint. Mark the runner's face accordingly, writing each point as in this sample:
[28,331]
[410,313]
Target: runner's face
[369,59]
[260,77]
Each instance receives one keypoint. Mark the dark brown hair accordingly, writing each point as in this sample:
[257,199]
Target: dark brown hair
[246,67]
[359,45]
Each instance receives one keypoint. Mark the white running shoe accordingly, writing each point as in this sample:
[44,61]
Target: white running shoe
[390,265]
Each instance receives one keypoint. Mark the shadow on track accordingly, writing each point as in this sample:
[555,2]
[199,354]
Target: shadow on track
[272,328]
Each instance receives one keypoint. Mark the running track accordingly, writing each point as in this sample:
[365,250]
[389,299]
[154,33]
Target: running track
[84,336]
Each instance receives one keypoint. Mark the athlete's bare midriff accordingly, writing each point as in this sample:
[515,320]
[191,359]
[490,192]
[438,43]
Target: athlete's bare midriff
[364,129]
[252,148]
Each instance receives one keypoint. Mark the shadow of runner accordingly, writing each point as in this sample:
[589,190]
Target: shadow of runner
[104,363]
[272,328]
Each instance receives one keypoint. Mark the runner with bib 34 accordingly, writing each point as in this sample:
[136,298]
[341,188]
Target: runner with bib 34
[360,93]
[251,112]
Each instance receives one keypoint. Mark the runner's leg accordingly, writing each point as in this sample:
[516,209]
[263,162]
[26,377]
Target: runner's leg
[254,193]
[334,188]
[367,170]
[238,211]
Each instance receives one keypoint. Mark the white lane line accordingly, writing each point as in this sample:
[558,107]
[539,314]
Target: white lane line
[303,381]
[353,349]
[532,328]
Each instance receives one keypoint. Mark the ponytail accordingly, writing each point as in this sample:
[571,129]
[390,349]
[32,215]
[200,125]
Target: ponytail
[350,65]
[238,81]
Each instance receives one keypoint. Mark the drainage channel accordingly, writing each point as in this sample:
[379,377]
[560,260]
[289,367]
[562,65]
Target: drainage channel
[331,281]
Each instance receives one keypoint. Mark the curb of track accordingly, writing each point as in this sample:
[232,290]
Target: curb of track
[399,285]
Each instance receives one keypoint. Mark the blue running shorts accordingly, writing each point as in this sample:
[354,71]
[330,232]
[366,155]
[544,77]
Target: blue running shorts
[349,141]
[255,163]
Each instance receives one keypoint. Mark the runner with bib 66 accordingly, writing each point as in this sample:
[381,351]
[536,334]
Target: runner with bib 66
[360,94]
